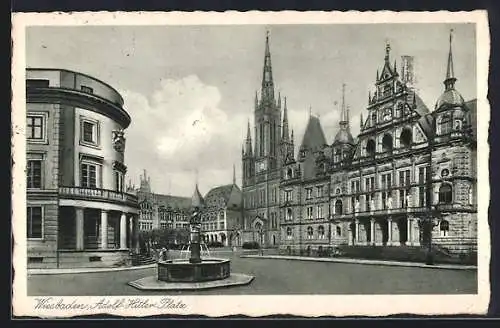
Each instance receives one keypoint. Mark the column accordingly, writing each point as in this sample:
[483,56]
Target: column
[350,241]
[409,231]
[135,220]
[372,231]
[130,232]
[104,229]
[389,231]
[123,231]
[80,245]
[358,237]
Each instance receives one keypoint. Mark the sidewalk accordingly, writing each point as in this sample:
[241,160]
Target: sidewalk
[363,261]
[88,270]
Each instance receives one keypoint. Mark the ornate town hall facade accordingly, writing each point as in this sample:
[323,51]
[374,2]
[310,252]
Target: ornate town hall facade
[410,173]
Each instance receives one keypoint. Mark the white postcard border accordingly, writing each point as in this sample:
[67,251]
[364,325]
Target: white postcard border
[301,305]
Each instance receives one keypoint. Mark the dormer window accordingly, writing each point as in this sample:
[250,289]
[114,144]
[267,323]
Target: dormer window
[444,124]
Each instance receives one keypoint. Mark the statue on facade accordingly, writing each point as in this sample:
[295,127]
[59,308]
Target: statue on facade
[408,201]
[389,203]
[356,206]
[372,205]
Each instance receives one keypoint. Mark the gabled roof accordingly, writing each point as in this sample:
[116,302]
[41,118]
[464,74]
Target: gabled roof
[314,138]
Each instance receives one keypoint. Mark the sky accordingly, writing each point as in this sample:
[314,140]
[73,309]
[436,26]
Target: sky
[190,89]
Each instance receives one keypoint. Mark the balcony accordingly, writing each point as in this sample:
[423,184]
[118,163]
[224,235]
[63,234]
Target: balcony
[97,194]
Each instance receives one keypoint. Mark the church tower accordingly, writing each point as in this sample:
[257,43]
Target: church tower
[262,162]
[267,118]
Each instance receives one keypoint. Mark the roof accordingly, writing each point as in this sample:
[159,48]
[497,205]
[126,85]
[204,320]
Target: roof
[450,98]
[426,119]
[173,201]
[219,192]
[197,200]
[344,136]
[314,138]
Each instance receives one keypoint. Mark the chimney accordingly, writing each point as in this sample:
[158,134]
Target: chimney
[407,71]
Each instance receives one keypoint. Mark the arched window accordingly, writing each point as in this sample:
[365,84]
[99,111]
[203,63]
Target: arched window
[387,143]
[444,228]
[457,125]
[289,214]
[289,233]
[405,138]
[445,193]
[374,118]
[321,232]
[444,124]
[258,226]
[370,148]
[310,233]
[338,207]
[338,230]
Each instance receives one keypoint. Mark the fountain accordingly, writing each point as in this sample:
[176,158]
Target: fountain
[196,272]
[186,251]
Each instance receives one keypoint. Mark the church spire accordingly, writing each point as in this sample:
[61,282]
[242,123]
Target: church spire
[248,141]
[450,80]
[344,114]
[267,76]
[285,122]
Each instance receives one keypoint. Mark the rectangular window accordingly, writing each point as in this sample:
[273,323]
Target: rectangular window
[37,83]
[386,181]
[422,172]
[319,212]
[34,224]
[319,191]
[88,175]
[421,196]
[288,195]
[308,193]
[310,213]
[119,181]
[87,89]
[35,127]
[89,132]
[404,178]
[34,174]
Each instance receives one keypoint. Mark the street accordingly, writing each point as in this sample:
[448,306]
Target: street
[275,277]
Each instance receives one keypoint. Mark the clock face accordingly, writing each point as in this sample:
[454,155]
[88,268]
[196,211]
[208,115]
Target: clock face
[261,166]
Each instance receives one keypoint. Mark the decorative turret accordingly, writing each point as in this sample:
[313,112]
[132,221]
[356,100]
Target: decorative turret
[450,96]
[344,134]
[285,123]
[248,142]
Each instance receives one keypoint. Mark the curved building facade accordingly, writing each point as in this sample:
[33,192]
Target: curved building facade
[78,213]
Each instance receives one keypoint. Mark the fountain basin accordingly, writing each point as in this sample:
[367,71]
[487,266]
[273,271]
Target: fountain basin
[181,270]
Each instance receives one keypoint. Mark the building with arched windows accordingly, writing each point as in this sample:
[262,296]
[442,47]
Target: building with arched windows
[220,214]
[408,176]
[78,213]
